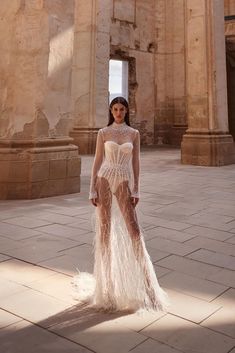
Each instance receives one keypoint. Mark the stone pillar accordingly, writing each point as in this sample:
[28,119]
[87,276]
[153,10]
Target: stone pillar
[37,157]
[207,141]
[170,122]
[90,71]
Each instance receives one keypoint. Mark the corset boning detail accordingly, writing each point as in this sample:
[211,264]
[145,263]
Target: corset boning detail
[116,166]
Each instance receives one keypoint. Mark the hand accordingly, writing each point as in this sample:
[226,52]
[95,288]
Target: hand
[94,202]
[134,201]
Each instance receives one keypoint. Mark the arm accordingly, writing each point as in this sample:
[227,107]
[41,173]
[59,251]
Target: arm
[136,165]
[99,154]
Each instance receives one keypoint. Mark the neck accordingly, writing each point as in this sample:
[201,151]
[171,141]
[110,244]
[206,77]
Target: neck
[119,124]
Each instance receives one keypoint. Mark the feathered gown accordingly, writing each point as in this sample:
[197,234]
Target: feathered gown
[124,277]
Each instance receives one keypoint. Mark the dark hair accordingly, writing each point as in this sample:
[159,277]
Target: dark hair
[122,101]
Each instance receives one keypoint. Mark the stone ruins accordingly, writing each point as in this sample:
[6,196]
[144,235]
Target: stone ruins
[54,83]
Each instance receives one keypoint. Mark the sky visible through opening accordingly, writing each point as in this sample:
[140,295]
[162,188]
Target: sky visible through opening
[118,79]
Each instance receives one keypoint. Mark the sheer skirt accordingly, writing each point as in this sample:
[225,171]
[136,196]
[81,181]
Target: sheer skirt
[123,272]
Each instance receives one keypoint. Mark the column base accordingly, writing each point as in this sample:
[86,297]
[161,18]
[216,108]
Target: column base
[207,149]
[167,134]
[176,134]
[35,169]
[85,139]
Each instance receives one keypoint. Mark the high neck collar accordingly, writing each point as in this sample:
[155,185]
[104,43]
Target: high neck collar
[118,126]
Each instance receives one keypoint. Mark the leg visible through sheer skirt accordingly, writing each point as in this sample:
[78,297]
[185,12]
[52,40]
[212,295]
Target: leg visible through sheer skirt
[106,281]
[104,287]
[123,195]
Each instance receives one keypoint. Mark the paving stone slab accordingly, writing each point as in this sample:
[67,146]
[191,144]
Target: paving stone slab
[209,233]
[187,336]
[157,221]
[6,244]
[32,254]
[21,272]
[169,234]
[7,319]
[188,266]
[161,271]
[211,221]
[70,211]
[68,265]
[190,308]
[63,231]
[47,241]
[226,299]
[222,321]
[190,285]
[170,246]
[231,240]
[54,217]
[30,338]
[4,257]
[33,306]
[104,337]
[8,288]
[16,232]
[154,346]
[58,286]
[214,258]
[27,222]
[224,276]
[81,252]
[156,254]
[213,245]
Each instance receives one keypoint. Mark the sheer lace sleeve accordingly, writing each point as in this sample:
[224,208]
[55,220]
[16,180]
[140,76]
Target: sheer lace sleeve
[99,155]
[136,165]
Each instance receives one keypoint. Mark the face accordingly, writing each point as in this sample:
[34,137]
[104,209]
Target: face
[119,111]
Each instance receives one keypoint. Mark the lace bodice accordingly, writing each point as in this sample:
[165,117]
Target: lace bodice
[117,158]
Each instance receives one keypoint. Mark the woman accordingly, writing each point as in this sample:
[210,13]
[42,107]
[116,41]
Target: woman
[124,275]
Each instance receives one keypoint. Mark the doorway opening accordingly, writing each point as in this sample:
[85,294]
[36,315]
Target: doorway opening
[118,79]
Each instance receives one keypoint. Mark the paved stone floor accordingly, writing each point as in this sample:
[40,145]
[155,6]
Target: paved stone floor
[188,214]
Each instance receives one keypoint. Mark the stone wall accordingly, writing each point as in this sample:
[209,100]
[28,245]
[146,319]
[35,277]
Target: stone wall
[133,39]
[36,52]
[229,7]
[150,35]
[36,43]
[90,73]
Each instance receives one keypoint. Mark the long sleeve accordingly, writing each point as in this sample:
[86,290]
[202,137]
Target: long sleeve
[136,164]
[99,155]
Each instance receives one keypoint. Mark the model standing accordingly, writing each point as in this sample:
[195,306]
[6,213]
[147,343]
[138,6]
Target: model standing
[124,275]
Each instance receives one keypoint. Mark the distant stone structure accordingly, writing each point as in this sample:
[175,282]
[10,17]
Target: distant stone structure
[54,72]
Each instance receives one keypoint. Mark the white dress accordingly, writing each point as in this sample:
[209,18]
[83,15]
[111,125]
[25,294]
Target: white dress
[124,277]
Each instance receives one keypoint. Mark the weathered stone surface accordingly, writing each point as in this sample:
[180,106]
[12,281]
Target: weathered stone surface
[170,72]
[207,150]
[36,38]
[207,140]
[54,70]
[39,172]
[229,7]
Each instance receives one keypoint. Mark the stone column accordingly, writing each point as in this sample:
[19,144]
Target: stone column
[90,71]
[207,141]
[37,157]
[170,122]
